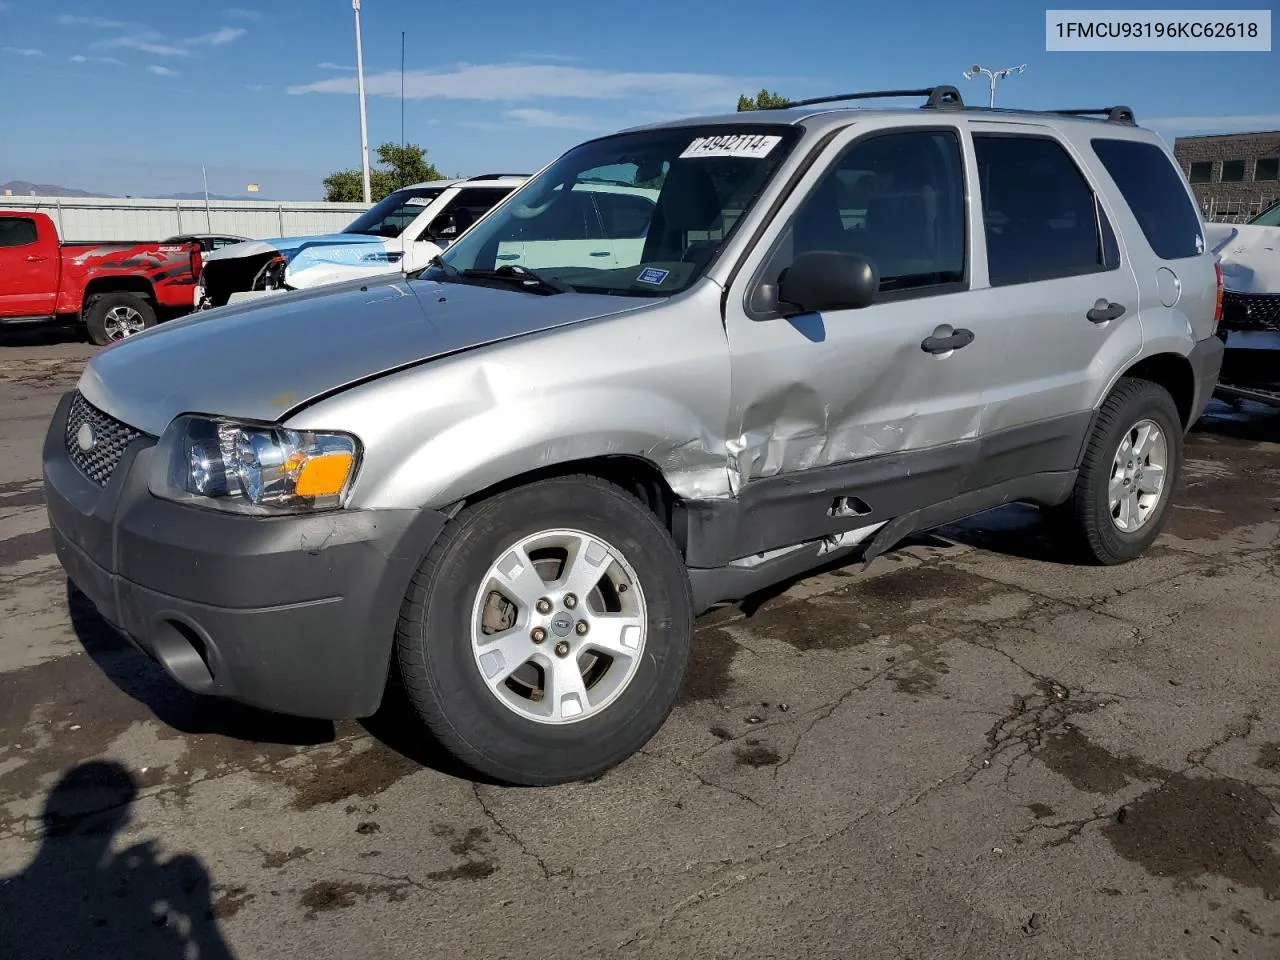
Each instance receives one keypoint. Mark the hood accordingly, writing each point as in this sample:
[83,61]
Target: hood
[289,246]
[259,359]
[1250,256]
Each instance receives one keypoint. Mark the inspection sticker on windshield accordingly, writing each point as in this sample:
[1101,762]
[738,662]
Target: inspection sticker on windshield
[652,275]
[735,145]
[418,202]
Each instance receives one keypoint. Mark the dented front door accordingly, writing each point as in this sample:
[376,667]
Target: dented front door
[865,414]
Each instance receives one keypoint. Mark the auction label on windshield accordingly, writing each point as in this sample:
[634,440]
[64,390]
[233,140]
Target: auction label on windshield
[753,145]
[1158,30]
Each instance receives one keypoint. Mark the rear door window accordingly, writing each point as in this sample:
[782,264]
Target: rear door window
[17,231]
[1153,188]
[1042,219]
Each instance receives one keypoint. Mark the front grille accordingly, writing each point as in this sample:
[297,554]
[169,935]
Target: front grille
[1250,311]
[108,438]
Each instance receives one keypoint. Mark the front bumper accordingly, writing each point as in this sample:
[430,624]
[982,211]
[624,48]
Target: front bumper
[292,614]
[1206,366]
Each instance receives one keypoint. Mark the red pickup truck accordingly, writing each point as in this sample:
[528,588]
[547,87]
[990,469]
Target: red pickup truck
[115,289]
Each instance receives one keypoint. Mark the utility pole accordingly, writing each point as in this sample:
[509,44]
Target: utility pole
[364,130]
[993,76]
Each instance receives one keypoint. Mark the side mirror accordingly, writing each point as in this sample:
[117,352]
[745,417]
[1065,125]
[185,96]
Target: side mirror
[825,280]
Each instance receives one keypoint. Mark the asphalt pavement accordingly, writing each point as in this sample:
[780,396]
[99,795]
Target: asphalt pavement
[972,749]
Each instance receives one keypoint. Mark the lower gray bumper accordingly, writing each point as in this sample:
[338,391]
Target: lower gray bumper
[292,614]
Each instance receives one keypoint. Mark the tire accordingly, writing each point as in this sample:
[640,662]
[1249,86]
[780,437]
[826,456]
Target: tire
[106,315]
[490,726]
[1094,532]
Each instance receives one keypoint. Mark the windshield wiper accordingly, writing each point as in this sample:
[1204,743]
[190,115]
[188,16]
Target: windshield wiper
[449,269]
[523,276]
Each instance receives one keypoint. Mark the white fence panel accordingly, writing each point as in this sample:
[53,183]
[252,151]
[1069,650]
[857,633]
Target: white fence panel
[95,218]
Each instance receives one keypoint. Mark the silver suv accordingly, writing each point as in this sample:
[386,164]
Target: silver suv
[513,487]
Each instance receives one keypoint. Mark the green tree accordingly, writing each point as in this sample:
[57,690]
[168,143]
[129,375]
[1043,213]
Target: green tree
[764,100]
[400,166]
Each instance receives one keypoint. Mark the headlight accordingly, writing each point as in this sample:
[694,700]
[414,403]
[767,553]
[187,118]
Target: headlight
[253,468]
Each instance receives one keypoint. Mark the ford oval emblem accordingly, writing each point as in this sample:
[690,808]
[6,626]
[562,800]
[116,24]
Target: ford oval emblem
[86,437]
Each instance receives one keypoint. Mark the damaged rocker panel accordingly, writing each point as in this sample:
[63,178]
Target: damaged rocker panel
[916,489]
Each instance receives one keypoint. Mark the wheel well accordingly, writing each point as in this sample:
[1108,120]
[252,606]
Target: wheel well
[138,285]
[1174,374]
[637,476]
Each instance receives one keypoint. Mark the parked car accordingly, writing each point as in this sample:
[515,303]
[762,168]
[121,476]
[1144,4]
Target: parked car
[515,487]
[1250,258]
[115,289]
[399,233]
[208,241]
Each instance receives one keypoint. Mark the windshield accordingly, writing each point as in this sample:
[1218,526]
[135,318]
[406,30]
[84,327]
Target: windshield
[1269,217]
[390,215]
[637,214]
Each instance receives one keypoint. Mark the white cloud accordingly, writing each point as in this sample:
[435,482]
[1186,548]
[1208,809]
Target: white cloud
[215,39]
[145,42]
[1216,124]
[101,23]
[328,65]
[528,81]
[552,57]
[160,71]
[551,120]
[255,87]
[81,58]
[23,51]
[240,13]
[153,42]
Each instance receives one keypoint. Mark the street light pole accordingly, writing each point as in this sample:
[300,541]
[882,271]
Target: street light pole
[993,76]
[364,130]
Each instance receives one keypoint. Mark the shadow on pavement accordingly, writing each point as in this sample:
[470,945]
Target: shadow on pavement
[79,898]
[397,726]
[41,335]
[148,683]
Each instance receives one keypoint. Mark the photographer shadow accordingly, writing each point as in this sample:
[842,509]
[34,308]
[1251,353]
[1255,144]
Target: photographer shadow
[79,898]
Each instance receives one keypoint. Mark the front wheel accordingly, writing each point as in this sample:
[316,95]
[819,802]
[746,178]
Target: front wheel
[545,636]
[1130,468]
[113,316]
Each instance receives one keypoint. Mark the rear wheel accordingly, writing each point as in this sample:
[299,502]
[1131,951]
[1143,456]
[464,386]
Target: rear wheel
[113,316]
[1131,465]
[545,636]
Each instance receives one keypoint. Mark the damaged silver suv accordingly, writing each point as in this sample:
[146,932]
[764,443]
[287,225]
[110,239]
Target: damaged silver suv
[512,479]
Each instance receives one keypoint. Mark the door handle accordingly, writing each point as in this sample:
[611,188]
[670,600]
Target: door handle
[959,338]
[1105,310]
[599,253]
[34,259]
[508,256]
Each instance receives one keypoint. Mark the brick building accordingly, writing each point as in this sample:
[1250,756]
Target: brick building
[1234,175]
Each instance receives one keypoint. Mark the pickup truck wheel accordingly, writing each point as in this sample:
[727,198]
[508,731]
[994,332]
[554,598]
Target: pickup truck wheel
[545,636]
[113,316]
[1131,466]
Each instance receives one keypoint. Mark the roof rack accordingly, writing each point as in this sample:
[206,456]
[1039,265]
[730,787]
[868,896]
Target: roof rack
[1117,114]
[943,96]
[495,176]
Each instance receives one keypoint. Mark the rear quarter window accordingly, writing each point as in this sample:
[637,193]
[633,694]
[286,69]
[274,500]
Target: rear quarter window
[1154,190]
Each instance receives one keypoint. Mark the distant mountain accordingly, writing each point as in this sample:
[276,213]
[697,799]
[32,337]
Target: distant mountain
[25,188]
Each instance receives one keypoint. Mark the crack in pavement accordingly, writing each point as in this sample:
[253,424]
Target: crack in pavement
[509,834]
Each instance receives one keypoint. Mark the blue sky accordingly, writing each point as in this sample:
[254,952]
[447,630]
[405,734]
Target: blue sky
[129,97]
